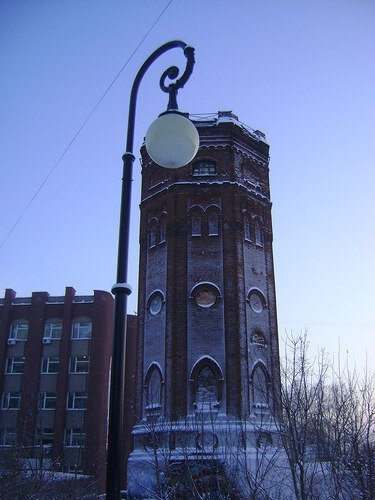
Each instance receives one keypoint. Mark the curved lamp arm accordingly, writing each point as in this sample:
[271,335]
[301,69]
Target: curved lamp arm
[172,89]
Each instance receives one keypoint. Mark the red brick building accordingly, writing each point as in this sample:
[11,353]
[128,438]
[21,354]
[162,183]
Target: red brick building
[207,329]
[54,373]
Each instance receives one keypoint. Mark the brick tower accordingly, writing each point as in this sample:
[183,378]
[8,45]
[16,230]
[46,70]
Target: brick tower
[207,331]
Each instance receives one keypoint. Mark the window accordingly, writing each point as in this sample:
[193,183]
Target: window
[47,400]
[53,329]
[213,223]
[256,300]
[246,224]
[204,168]
[205,295]
[11,401]
[259,387]
[8,436]
[19,329]
[77,401]
[75,438]
[152,234]
[258,233]
[15,365]
[79,364]
[50,365]
[163,229]
[153,389]
[81,329]
[44,437]
[206,383]
[196,224]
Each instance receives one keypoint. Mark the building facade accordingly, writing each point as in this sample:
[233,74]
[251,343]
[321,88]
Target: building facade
[207,328]
[54,375]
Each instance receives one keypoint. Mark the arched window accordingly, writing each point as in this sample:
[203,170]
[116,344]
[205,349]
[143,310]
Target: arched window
[153,387]
[163,229]
[206,380]
[207,387]
[246,228]
[260,389]
[19,329]
[196,221]
[203,168]
[81,328]
[258,233]
[152,234]
[213,222]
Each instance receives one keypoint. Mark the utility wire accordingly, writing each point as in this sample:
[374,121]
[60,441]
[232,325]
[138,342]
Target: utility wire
[82,127]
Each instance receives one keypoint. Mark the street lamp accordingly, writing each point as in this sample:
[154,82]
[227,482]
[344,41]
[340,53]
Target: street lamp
[171,141]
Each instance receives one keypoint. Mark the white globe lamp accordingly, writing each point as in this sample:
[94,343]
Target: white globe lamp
[172,140]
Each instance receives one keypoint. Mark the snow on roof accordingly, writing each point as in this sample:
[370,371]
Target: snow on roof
[226,117]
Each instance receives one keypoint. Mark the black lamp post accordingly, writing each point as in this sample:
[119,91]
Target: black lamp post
[171,141]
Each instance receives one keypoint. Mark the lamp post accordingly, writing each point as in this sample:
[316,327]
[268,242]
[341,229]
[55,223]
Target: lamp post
[171,141]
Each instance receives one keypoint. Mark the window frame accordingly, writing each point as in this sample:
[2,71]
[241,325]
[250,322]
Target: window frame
[49,363]
[204,171]
[16,327]
[12,363]
[6,399]
[39,436]
[49,326]
[45,399]
[75,332]
[74,438]
[4,433]
[76,360]
[72,398]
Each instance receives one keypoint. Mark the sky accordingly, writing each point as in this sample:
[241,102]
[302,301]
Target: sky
[303,72]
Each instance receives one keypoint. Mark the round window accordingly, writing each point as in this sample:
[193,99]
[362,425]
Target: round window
[205,296]
[256,302]
[155,303]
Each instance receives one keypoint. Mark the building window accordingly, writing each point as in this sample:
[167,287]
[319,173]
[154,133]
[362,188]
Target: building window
[205,295]
[204,168]
[74,438]
[19,330]
[11,401]
[153,386]
[8,437]
[206,379]
[44,437]
[47,400]
[259,382]
[163,229]
[50,365]
[246,224]
[258,233]
[256,300]
[213,223]
[77,401]
[15,365]
[81,329]
[196,224]
[79,364]
[53,329]
[152,234]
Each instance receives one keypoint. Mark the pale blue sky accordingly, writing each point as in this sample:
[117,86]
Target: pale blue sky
[301,71]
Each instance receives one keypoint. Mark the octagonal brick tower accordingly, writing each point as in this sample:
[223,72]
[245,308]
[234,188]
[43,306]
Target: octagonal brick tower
[207,331]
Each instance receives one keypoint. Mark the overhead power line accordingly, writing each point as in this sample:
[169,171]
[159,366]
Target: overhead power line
[82,126]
